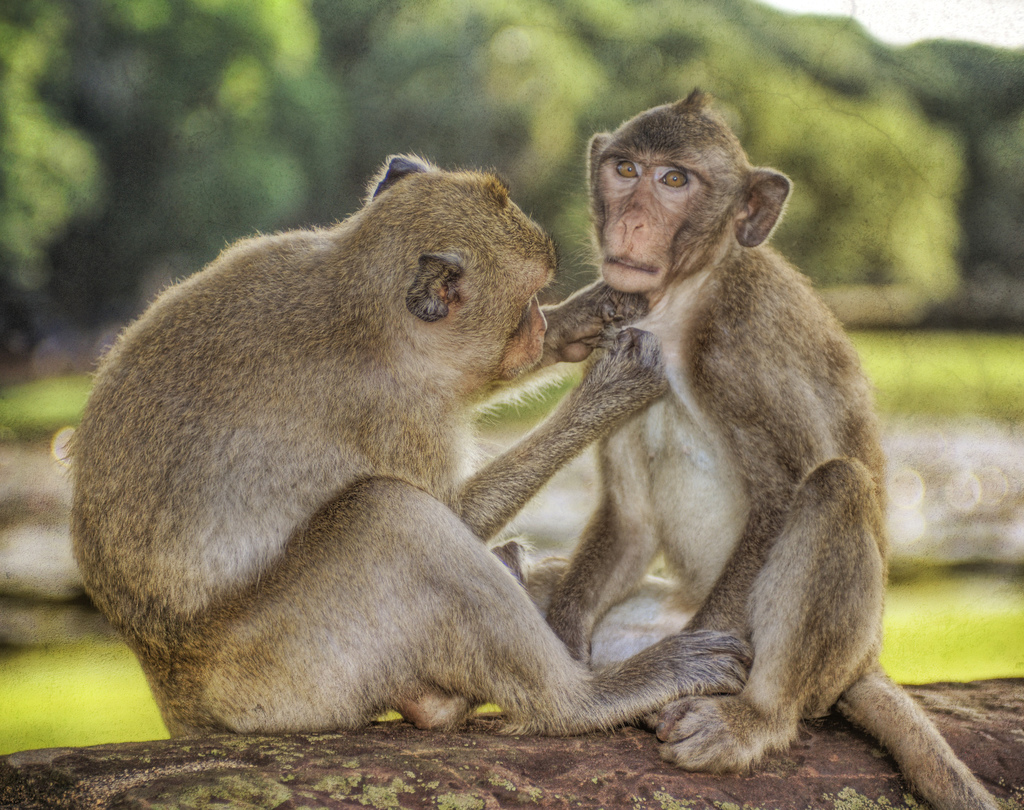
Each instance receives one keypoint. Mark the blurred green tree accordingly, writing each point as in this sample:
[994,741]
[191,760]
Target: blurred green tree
[136,148]
[211,119]
[522,86]
[49,172]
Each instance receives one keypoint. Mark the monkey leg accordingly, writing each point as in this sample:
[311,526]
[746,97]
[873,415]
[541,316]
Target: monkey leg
[647,614]
[815,618]
[388,600]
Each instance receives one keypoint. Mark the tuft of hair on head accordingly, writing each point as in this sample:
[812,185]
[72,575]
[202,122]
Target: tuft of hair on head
[697,100]
[394,169]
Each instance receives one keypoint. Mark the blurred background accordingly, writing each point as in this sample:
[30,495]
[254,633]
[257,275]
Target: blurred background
[140,137]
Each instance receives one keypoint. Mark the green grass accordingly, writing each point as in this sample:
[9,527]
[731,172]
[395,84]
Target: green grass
[945,374]
[944,628]
[942,374]
[931,373]
[42,407]
[72,695]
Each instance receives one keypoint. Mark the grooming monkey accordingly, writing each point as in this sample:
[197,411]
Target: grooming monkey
[269,501]
[758,475]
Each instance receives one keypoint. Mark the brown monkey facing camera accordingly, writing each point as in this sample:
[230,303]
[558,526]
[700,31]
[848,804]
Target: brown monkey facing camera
[758,475]
[268,493]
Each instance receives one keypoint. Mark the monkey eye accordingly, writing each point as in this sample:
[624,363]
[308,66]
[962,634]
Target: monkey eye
[674,178]
[626,168]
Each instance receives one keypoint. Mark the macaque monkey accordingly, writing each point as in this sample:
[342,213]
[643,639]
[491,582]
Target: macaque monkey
[269,494]
[758,475]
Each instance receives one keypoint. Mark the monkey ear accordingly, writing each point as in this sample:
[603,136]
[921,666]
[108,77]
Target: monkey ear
[397,167]
[767,191]
[434,286]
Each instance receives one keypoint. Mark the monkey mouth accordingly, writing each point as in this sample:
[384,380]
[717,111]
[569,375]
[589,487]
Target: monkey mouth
[640,268]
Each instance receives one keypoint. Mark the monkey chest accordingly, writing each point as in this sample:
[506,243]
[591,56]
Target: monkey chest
[695,493]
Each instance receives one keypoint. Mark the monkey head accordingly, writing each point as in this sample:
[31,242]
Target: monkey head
[474,267]
[671,191]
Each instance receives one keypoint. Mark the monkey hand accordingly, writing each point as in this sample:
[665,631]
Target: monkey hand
[629,375]
[706,662]
[575,325]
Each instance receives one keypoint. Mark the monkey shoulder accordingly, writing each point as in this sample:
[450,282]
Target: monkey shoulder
[766,320]
[778,371]
[759,295]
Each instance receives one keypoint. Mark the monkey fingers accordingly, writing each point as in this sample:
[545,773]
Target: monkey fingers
[710,662]
[575,325]
[608,338]
[619,307]
[633,365]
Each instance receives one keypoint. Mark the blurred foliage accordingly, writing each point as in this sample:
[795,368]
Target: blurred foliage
[49,170]
[140,136]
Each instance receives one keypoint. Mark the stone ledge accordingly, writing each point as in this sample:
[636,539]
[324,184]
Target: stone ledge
[393,765]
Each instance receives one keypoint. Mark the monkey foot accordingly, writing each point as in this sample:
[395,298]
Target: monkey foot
[717,734]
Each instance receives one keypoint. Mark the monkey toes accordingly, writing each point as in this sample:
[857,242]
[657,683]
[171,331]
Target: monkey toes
[513,555]
[713,734]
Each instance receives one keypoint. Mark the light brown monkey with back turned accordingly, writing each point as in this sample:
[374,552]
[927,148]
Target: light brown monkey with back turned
[269,492]
[758,475]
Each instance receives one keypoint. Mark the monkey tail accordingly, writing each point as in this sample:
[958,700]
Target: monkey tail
[882,708]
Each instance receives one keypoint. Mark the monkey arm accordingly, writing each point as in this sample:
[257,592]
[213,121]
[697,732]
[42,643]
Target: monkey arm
[574,326]
[625,379]
[495,494]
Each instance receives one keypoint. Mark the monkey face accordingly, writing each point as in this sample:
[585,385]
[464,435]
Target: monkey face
[644,201]
[672,192]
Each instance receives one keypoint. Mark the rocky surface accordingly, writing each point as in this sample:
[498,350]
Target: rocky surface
[393,765]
